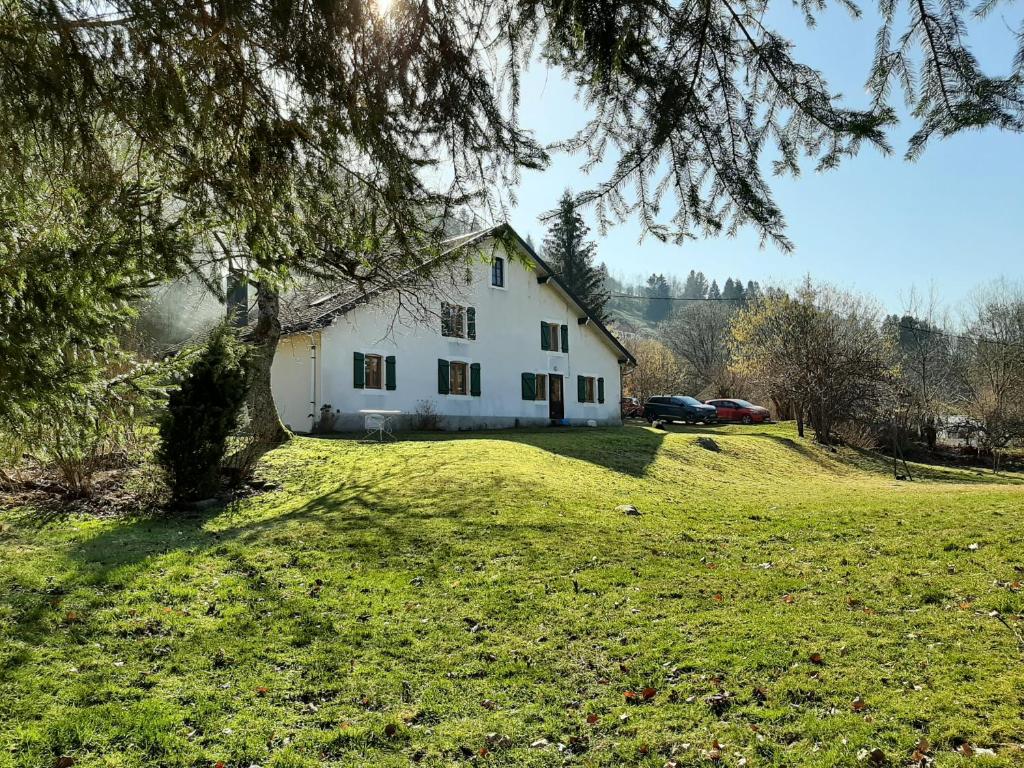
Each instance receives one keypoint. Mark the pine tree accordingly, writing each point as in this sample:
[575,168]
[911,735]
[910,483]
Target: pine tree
[696,286]
[571,255]
[658,292]
[713,292]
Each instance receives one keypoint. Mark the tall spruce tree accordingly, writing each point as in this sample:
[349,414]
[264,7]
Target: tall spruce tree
[658,292]
[571,255]
[696,286]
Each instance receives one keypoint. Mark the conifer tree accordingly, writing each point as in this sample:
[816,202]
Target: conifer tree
[571,255]
[658,292]
[714,293]
[696,286]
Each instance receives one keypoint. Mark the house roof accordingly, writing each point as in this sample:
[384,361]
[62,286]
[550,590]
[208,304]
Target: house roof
[316,306]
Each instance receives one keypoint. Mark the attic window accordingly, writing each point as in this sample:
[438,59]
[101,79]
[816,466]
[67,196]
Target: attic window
[498,272]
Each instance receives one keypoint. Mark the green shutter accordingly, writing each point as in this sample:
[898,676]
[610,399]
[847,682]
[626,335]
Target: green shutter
[565,338]
[600,390]
[471,322]
[544,336]
[581,389]
[442,377]
[390,377]
[358,370]
[474,379]
[529,386]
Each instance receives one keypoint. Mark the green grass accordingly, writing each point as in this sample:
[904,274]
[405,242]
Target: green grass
[397,604]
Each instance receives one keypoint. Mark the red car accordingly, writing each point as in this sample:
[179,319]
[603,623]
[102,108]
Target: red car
[740,410]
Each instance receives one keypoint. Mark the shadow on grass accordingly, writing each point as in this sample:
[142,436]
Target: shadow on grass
[365,516]
[630,449]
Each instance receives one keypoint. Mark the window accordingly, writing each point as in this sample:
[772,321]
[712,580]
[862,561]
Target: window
[542,387]
[457,321]
[535,386]
[457,382]
[367,370]
[373,372]
[498,272]
[554,337]
[590,389]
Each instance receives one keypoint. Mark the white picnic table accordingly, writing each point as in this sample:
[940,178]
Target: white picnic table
[378,423]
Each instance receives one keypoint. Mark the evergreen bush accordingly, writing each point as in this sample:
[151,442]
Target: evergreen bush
[201,415]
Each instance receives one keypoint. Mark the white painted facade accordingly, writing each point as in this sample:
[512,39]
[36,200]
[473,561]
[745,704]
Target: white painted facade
[316,368]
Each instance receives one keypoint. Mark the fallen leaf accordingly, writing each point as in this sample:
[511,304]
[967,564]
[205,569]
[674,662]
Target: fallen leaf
[489,705]
[788,599]
[540,743]
[262,691]
[390,730]
[64,761]
[965,749]
[859,705]
[920,754]
[649,693]
[715,753]
[483,752]
[719,702]
[592,718]
[817,658]
[631,697]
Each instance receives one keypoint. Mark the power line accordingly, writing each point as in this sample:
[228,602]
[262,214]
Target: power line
[673,298]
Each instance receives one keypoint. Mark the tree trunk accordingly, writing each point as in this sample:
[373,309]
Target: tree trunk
[800,421]
[265,422]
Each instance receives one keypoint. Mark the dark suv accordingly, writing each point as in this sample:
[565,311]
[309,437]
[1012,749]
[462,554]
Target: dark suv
[679,408]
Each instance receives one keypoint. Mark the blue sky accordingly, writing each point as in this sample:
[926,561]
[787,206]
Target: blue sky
[950,221]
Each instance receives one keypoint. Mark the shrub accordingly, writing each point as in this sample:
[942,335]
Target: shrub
[101,426]
[201,415]
[426,417]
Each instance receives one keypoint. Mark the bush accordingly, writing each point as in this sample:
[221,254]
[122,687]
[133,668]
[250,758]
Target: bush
[102,426]
[201,415]
[426,418]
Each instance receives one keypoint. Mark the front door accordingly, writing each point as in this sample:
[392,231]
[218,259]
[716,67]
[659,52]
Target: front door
[556,400]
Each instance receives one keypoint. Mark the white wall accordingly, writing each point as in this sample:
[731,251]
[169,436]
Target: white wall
[508,343]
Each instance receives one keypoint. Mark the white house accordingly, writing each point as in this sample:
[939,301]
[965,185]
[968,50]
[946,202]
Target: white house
[510,347]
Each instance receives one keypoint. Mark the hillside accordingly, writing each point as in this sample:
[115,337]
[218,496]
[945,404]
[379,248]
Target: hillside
[480,598]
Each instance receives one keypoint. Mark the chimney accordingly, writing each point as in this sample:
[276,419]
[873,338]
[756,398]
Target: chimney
[237,294]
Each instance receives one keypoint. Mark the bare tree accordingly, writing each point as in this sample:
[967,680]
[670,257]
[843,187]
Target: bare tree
[926,356]
[821,349]
[656,371]
[993,369]
[699,335]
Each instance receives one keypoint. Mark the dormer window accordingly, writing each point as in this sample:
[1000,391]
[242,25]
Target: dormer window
[498,272]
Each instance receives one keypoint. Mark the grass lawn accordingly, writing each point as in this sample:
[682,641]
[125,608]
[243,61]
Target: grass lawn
[446,600]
